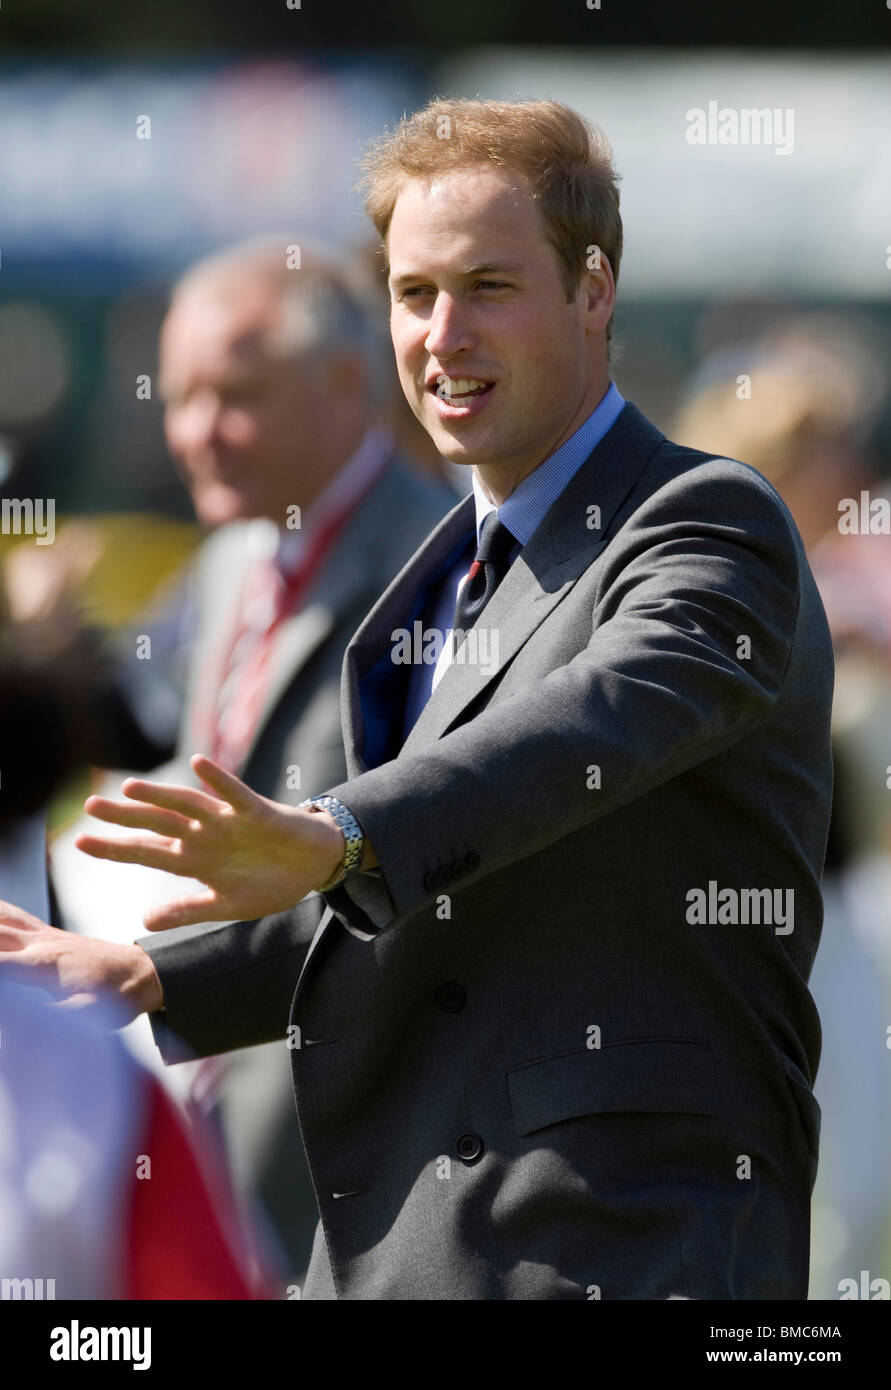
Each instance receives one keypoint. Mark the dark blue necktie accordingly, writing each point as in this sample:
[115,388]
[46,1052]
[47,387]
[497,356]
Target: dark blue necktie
[485,574]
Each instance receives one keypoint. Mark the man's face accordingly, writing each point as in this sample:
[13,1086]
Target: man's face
[240,419]
[477,299]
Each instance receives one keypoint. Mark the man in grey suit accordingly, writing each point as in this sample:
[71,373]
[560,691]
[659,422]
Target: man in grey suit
[545,984]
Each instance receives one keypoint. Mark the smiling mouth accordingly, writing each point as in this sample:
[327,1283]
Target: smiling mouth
[459,389]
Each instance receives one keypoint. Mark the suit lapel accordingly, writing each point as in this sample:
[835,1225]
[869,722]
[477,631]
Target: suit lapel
[570,537]
[396,608]
[220,597]
[303,632]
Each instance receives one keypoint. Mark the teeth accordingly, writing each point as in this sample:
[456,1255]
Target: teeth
[447,386]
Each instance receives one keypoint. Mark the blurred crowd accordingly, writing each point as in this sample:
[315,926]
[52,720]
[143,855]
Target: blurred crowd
[801,404]
[131,642]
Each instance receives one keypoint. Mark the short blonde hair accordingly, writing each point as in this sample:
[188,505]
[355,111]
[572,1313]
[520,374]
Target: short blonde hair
[569,165]
[814,381]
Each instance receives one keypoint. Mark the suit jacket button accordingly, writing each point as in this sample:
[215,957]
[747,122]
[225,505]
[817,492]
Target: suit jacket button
[469,1148]
[450,997]
[472,861]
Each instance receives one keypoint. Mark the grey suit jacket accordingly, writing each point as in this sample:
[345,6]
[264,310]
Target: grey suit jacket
[564,1048]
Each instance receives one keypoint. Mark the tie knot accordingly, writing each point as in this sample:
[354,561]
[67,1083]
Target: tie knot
[496,541]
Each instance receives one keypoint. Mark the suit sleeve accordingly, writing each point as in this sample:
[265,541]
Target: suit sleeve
[229,986]
[662,684]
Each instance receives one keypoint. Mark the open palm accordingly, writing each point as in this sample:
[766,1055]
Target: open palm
[255,856]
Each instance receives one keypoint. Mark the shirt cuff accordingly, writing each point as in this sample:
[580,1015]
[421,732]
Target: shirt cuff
[368,890]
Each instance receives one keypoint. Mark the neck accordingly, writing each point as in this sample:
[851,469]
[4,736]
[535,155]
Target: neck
[329,457]
[499,480]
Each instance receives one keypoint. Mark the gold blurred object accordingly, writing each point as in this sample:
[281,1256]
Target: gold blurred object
[116,562]
[808,383]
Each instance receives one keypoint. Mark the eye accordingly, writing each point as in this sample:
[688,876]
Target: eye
[491,285]
[414,290]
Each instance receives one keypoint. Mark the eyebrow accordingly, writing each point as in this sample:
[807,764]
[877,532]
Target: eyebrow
[236,376]
[489,268]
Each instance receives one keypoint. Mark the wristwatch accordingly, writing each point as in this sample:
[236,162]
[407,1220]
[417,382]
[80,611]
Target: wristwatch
[352,834]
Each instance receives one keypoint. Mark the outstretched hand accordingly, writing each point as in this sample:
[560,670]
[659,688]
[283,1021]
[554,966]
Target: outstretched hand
[256,856]
[78,970]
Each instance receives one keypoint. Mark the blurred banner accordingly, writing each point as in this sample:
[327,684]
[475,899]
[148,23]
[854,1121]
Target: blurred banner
[110,171]
[705,207]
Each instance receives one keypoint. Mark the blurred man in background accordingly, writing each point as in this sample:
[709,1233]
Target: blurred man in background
[274,379]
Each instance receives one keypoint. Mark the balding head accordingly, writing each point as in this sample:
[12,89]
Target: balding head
[271,370]
[324,304]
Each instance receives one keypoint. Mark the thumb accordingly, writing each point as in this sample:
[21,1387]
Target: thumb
[76,1002]
[186,912]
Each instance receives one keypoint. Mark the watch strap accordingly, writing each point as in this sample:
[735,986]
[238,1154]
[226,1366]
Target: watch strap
[354,838]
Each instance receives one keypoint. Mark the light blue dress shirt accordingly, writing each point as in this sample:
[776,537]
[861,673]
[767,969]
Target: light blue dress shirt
[522,513]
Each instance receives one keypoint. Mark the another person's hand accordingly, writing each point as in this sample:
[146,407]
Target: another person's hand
[42,583]
[76,969]
[255,856]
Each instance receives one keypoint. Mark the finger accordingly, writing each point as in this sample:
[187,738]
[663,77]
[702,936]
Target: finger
[76,1002]
[14,972]
[185,801]
[12,940]
[14,916]
[185,912]
[155,853]
[138,816]
[224,783]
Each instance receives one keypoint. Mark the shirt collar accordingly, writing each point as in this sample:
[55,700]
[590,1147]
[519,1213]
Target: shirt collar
[524,510]
[344,487]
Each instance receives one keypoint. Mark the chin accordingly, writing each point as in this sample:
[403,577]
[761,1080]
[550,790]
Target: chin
[472,453]
[220,511]
[460,445]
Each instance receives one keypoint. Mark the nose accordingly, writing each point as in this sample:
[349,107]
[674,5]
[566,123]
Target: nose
[449,331]
[193,424]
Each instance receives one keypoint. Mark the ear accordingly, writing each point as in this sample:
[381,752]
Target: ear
[345,375]
[599,290]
